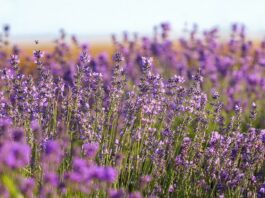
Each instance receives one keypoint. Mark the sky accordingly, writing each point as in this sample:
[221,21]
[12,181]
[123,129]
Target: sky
[103,17]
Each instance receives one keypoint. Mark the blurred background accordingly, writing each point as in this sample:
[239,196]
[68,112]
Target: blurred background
[96,20]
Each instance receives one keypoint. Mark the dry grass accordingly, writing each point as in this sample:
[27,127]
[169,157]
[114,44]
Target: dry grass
[94,48]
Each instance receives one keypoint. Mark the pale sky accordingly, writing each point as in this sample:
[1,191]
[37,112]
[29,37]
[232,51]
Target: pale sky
[103,17]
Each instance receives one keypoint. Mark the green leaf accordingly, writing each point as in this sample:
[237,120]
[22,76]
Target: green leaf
[11,186]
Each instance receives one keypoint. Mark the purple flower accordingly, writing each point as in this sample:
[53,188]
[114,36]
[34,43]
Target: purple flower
[90,149]
[27,186]
[179,161]
[84,58]
[215,137]
[117,57]
[38,54]
[186,140]
[14,60]
[107,174]
[51,178]
[215,94]
[261,192]
[135,195]
[6,28]
[18,135]
[165,26]
[4,125]
[15,155]
[262,135]
[146,64]
[80,171]
[52,152]
[167,133]
[51,147]
[68,76]
[116,193]
[36,130]
[145,179]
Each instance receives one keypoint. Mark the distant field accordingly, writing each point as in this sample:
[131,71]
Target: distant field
[94,48]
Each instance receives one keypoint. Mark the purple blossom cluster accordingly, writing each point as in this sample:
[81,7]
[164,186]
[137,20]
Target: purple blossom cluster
[158,119]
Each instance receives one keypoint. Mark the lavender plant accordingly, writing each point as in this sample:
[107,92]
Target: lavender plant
[153,121]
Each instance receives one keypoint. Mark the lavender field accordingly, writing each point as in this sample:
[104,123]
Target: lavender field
[160,117]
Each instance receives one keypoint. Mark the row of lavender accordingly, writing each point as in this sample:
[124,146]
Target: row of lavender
[185,123]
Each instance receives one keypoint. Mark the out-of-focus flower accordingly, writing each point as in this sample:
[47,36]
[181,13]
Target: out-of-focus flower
[18,135]
[51,178]
[135,195]
[27,187]
[116,193]
[90,149]
[15,155]
[52,152]
[165,26]
[106,174]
